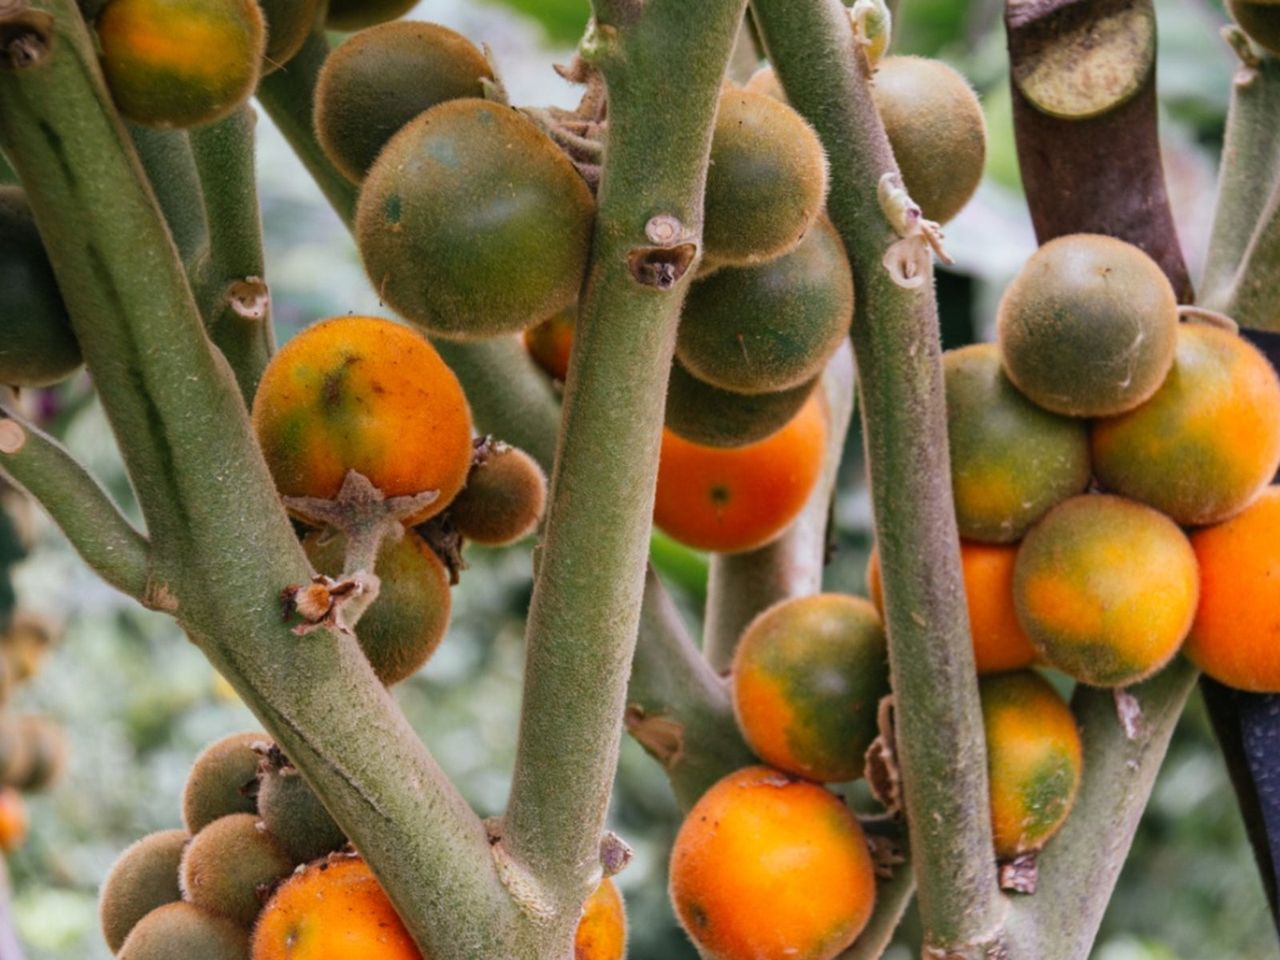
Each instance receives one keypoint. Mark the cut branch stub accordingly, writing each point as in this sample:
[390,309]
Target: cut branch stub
[26,35]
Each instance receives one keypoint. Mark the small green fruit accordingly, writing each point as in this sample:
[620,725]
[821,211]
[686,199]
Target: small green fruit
[223,780]
[504,497]
[182,930]
[294,815]
[707,415]
[143,878]
[230,867]
[358,14]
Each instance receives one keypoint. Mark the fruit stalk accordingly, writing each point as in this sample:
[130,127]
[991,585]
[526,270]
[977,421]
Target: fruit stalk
[171,170]
[895,339]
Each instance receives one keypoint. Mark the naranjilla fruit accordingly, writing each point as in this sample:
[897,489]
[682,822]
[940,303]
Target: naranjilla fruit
[294,815]
[808,677]
[1207,441]
[772,326]
[184,930]
[1106,589]
[37,346]
[383,77]
[999,642]
[472,223]
[289,23]
[223,780]
[936,128]
[730,500]
[703,414]
[1260,20]
[1235,637]
[359,393]
[228,862]
[13,820]
[143,878]
[551,341]
[358,14]
[769,866]
[1010,460]
[332,908]
[1034,760]
[181,63]
[503,500]
[602,931]
[767,182]
[403,627]
[1088,327]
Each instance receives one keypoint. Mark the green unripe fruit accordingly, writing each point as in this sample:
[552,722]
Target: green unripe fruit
[223,780]
[1011,461]
[382,78]
[358,14]
[184,930]
[707,415]
[144,878]
[230,867]
[772,326]
[289,23]
[1260,21]
[407,621]
[47,752]
[936,128]
[767,182]
[37,347]
[294,815]
[504,497]
[472,223]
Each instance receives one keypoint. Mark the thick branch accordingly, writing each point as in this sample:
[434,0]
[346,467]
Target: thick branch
[895,340]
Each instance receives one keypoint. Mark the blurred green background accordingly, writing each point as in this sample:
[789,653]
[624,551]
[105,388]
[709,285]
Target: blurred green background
[139,702]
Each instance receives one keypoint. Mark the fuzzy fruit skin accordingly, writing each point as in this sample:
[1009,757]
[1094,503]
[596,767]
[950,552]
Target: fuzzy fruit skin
[223,780]
[768,866]
[1235,637]
[358,14]
[144,878]
[704,414]
[936,129]
[1011,461]
[551,342]
[181,63]
[473,224]
[1106,589]
[503,500]
[602,931]
[767,182]
[360,393]
[1207,442]
[1034,760]
[403,627]
[730,500]
[383,77]
[772,326]
[228,862]
[37,345]
[332,908]
[13,820]
[184,930]
[1261,21]
[808,676]
[289,23]
[295,817]
[999,642]
[1088,327]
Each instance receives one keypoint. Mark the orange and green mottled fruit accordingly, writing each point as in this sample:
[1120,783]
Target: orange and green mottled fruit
[1260,20]
[358,14]
[1235,637]
[602,931]
[767,182]
[1106,589]
[402,628]
[734,499]
[808,676]
[181,63]
[771,326]
[472,223]
[1209,439]
[1034,760]
[705,414]
[228,862]
[999,642]
[1088,326]
[289,23]
[332,908]
[383,77]
[143,878]
[1010,460]
[551,341]
[185,930]
[359,393]
[769,866]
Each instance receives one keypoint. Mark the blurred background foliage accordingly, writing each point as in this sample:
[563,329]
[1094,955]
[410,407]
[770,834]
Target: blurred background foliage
[138,702]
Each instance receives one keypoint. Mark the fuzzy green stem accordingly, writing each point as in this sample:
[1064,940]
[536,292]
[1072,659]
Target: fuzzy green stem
[741,585]
[584,614]
[941,746]
[1255,295]
[171,170]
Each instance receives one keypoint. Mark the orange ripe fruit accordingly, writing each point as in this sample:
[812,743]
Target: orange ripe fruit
[739,498]
[1235,637]
[999,642]
[768,866]
[360,393]
[13,820]
[331,908]
[602,931]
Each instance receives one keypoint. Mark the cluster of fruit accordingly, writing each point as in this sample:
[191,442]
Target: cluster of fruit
[260,871]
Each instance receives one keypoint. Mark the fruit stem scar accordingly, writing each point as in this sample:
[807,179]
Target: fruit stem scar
[12,437]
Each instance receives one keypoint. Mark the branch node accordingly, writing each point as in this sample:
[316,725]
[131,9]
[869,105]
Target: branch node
[159,596]
[326,602]
[615,854]
[661,737]
[1129,712]
[524,887]
[1020,874]
[26,36]
[249,298]
[12,437]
